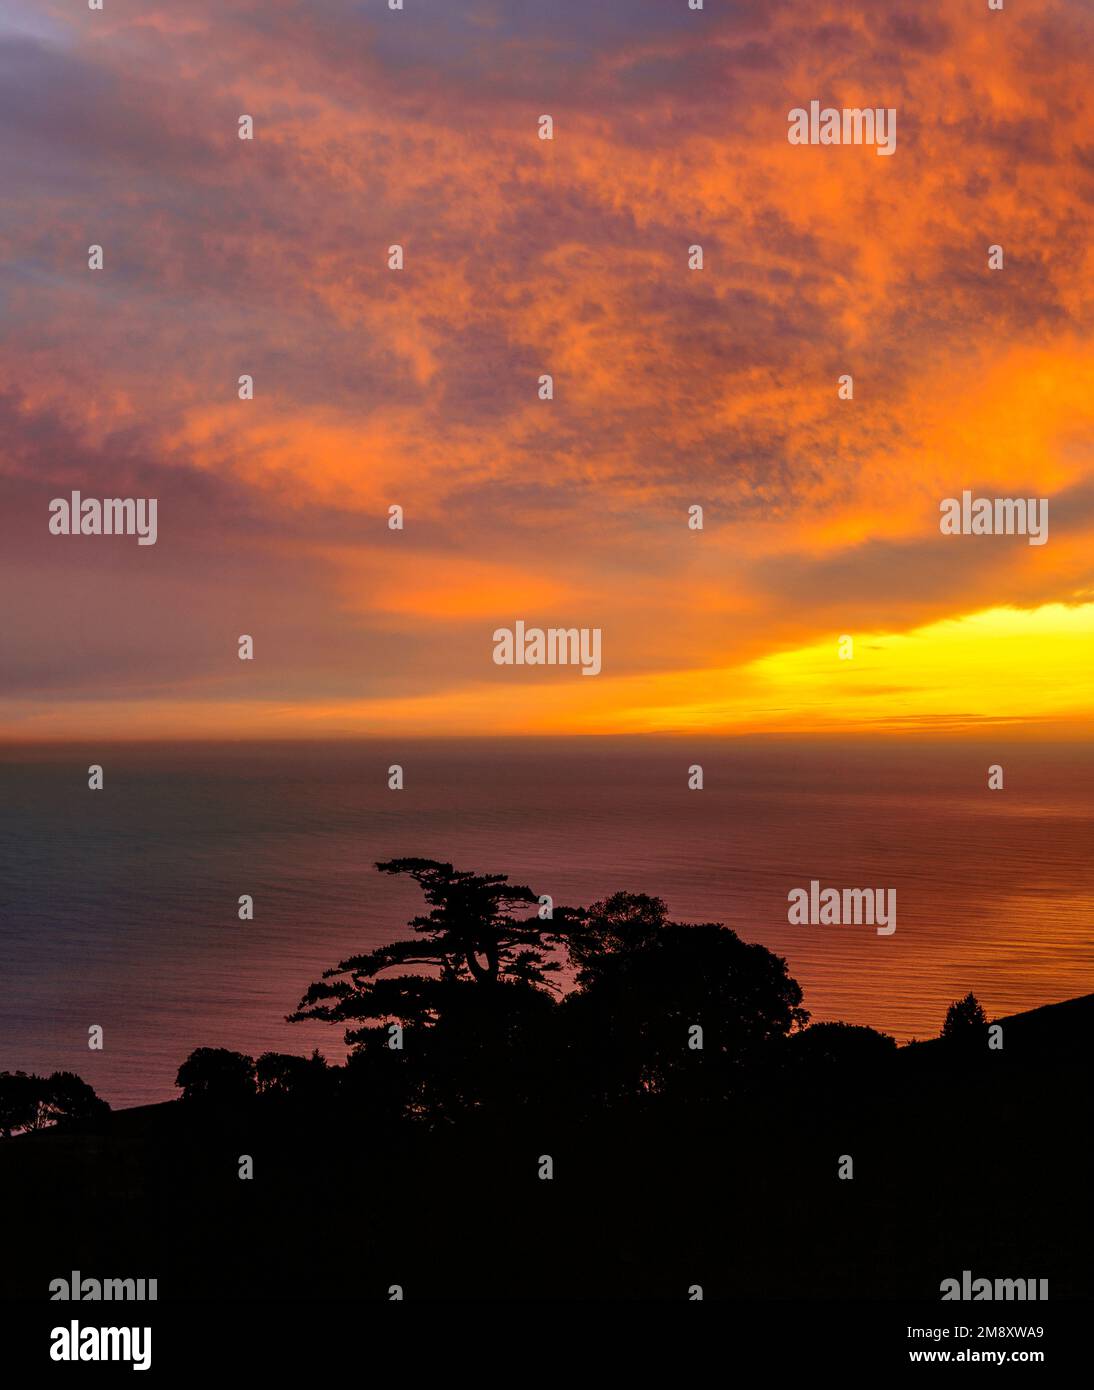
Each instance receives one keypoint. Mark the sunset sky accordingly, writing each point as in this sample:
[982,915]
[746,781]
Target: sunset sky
[418,387]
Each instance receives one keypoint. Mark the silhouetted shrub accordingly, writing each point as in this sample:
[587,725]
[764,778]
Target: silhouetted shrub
[966,1023]
[216,1075]
[844,1047]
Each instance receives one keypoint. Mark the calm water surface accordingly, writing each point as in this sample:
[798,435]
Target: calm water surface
[119,907]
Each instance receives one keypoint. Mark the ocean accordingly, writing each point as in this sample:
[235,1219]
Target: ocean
[118,907]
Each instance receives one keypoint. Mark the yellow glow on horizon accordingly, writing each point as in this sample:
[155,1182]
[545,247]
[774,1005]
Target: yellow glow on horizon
[1001,666]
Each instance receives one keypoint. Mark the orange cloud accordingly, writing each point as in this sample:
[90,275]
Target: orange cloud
[419,387]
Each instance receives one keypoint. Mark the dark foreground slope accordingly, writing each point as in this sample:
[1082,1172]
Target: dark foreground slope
[975,1161]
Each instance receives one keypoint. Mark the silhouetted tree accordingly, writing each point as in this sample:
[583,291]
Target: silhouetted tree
[285,1075]
[68,1099]
[487,1049]
[36,1102]
[277,1072]
[475,1029]
[621,924]
[380,1085]
[470,935]
[965,1021]
[645,984]
[19,1097]
[216,1075]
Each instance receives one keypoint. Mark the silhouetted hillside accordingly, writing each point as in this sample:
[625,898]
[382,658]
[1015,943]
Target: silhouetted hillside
[960,1162]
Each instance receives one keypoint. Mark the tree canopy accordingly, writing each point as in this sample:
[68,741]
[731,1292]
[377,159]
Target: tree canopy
[965,1020]
[216,1075]
[654,1005]
[470,935]
[664,1005]
[29,1102]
